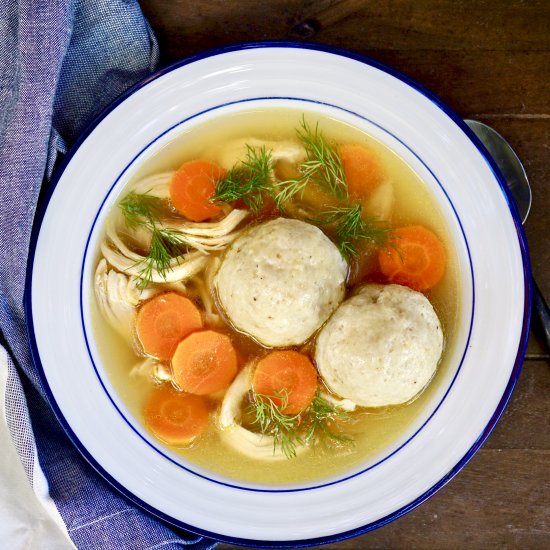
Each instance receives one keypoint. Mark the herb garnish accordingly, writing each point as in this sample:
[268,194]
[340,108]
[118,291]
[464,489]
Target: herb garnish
[141,209]
[323,165]
[249,181]
[144,210]
[351,227]
[322,415]
[304,429]
[271,421]
[252,181]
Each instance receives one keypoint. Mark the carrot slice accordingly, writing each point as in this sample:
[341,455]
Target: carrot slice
[415,258]
[192,187]
[165,320]
[362,170]
[286,376]
[174,417]
[205,362]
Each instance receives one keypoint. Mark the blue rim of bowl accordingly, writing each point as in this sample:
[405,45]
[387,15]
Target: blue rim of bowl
[41,210]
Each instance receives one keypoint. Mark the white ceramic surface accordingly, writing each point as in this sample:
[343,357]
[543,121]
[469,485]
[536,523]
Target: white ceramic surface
[492,270]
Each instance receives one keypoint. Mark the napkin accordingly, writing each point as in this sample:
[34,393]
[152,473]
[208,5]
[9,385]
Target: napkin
[61,62]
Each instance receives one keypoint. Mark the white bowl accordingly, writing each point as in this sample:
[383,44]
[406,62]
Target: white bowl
[493,265]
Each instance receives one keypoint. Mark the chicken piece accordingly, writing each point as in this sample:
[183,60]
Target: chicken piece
[235,152]
[180,268]
[380,204]
[157,185]
[254,445]
[151,369]
[117,296]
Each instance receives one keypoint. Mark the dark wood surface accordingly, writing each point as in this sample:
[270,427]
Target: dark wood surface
[488,60]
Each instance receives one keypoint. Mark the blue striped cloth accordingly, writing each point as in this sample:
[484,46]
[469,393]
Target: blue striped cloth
[61,63]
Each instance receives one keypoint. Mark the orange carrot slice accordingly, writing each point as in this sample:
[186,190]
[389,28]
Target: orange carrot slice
[174,417]
[416,258]
[362,170]
[286,376]
[192,187]
[165,320]
[205,362]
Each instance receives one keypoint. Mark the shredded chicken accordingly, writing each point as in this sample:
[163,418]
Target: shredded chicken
[201,291]
[177,286]
[152,369]
[210,236]
[346,405]
[117,296]
[380,203]
[180,268]
[203,237]
[157,185]
[254,445]
[235,152]
[212,317]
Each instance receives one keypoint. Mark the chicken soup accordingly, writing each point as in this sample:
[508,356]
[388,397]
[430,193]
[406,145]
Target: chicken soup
[277,294]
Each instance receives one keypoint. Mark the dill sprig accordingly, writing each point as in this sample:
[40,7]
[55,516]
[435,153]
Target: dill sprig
[144,210]
[141,209]
[324,162]
[271,421]
[352,227]
[323,165]
[304,429]
[321,415]
[249,181]
[166,244]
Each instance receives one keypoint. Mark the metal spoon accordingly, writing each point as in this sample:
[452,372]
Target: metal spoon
[516,178]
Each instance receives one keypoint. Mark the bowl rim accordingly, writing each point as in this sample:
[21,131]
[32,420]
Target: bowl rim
[43,205]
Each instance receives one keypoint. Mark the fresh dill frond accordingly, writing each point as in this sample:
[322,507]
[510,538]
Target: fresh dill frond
[141,209]
[144,210]
[321,415]
[323,165]
[352,227]
[249,181]
[324,162]
[271,421]
[166,244]
[285,190]
[305,429]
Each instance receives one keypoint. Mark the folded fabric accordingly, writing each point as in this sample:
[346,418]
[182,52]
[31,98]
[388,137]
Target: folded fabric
[61,63]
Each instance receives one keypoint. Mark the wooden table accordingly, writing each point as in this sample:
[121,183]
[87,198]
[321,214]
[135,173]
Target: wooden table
[487,60]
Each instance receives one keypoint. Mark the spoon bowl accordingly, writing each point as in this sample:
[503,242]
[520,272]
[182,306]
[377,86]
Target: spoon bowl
[514,173]
[509,164]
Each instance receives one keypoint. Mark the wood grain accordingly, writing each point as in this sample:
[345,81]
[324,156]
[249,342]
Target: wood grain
[185,27]
[487,60]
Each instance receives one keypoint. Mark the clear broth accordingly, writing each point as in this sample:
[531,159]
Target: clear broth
[374,430]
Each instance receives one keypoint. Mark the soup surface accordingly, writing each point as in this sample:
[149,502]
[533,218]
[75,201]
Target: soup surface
[241,432]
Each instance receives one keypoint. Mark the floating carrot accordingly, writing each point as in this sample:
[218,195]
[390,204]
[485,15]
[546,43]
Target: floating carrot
[362,170]
[164,321]
[416,258]
[192,187]
[287,378]
[205,362]
[174,417]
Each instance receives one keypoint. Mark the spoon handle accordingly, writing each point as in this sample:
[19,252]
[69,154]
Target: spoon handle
[543,312]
